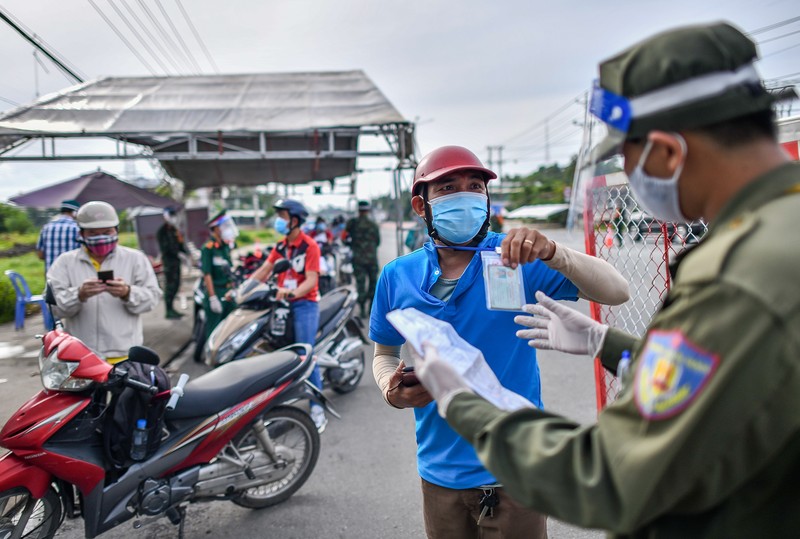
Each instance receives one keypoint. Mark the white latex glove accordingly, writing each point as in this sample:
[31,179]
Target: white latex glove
[557,327]
[438,377]
[215,304]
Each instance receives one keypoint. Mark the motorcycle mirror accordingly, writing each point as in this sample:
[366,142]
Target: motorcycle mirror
[142,354]
[281,266]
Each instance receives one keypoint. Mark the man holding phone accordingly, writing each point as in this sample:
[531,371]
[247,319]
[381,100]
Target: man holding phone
[102,288]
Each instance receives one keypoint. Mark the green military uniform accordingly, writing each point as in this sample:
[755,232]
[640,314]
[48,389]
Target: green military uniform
[170,242]
[704,439]
[712,452]
[215,260]
[365,238]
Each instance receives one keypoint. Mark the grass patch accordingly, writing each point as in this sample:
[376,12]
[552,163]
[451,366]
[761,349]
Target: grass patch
[10,239]
[29,266]
[265,236]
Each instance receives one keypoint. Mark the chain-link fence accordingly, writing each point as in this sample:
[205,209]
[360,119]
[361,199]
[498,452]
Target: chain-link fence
[638,246]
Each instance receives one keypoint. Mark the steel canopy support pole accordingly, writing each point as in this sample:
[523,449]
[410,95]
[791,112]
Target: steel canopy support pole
[398,210]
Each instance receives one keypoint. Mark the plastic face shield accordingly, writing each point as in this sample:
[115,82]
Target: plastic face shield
[228,230]
[608,117]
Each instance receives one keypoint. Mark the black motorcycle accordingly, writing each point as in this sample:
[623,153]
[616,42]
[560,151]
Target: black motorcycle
[262,323]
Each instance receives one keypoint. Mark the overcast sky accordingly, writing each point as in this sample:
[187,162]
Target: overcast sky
[474,73]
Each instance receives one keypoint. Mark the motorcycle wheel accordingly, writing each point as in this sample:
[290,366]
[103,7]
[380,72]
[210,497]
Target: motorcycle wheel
[296,440]
[43,521]
[352,377]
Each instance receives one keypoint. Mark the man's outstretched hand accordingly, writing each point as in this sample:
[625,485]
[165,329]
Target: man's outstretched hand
[557,327]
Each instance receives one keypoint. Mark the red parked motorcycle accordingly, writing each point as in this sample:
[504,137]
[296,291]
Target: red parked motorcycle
[233,435]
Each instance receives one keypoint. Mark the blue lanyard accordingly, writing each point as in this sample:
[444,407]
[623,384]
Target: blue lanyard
[462,248]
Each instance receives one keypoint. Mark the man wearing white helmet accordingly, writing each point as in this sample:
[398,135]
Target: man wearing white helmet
[102,288]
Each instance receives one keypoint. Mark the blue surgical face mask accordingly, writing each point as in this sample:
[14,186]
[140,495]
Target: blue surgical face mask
[659,196]
[459,217]
[282,226]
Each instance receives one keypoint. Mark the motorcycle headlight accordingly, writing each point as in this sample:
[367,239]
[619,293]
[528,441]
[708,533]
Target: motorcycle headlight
[57,374]
[227,350]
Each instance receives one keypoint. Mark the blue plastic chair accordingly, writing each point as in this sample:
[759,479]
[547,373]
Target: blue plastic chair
[23,298]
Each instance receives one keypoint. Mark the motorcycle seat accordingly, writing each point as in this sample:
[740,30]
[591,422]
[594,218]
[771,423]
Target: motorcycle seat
[330,304]
[233,383]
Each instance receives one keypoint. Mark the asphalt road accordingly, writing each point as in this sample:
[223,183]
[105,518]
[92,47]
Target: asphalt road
[365,484]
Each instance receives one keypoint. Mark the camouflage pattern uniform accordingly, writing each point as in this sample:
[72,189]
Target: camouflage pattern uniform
[365,238]
[170,242]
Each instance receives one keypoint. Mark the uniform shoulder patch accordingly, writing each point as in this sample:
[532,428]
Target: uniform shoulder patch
[672,371]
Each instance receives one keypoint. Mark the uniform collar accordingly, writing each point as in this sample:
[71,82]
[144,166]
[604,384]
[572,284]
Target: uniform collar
[774,184]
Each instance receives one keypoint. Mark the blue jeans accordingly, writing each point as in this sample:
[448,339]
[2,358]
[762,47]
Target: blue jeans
[306,323]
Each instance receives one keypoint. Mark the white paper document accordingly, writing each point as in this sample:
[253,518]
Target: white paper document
[468,361]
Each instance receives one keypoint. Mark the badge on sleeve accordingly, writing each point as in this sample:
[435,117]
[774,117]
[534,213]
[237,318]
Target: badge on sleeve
[672,372]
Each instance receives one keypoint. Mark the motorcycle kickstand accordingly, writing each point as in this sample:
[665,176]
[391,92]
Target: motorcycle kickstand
[177,515]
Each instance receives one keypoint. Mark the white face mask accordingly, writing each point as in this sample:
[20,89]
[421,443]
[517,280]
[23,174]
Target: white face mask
[658,196]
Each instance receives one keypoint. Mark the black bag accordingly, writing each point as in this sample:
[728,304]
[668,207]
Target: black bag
[281,325]
[128,406]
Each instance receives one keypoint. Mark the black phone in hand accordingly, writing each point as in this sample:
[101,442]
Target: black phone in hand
[105,275]
[409,377]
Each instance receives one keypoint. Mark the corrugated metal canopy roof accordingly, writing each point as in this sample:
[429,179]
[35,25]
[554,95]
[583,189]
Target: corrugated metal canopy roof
[210,130]
[269,102]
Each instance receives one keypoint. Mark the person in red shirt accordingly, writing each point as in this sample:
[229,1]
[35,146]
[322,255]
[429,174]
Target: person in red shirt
[300,284]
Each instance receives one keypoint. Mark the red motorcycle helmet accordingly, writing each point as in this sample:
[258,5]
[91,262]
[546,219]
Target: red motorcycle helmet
[446,160]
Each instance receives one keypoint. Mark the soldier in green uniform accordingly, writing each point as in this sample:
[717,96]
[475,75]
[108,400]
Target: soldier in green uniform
[364,240]
[215,263]
[170,242]
[704,439]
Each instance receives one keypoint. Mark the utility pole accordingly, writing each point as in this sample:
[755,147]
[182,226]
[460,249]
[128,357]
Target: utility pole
[547,141]
[499,165]
[489,163]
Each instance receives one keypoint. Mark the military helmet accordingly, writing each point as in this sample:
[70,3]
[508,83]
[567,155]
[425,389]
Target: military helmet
[97,214]
[444,161]
[364,205]
[295,209]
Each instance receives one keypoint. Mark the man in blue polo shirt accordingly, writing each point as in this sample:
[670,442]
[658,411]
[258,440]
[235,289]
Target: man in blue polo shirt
[444,279]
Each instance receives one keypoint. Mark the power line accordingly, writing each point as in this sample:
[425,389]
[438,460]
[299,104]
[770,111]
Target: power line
[188,52]
[781,50]
[39,46]
[774,25]
[122,38]
[138,36]
[164,35]
[10,101]
[546,120]
[150,36]
[49,46]
[778,37]
[197,36]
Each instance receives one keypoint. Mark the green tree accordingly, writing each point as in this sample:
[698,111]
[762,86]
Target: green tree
[13,219]
[545,186]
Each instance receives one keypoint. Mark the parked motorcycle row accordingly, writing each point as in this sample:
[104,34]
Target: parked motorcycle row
[232,434]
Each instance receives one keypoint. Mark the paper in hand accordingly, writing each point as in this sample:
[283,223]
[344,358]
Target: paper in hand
[468,361]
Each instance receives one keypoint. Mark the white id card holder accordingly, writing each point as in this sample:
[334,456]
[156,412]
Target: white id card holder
[504,288]
[291,284]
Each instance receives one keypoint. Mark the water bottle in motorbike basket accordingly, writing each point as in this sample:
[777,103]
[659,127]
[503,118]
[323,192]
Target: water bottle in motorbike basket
[139,441]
